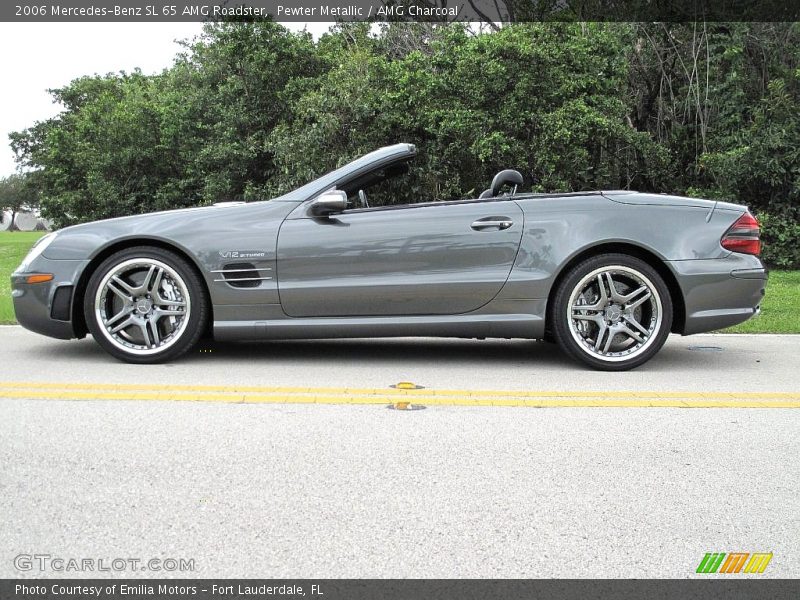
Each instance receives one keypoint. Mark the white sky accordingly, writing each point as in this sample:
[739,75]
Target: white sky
[38,56]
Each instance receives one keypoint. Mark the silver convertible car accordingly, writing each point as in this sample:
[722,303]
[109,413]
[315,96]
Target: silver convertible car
[607,275]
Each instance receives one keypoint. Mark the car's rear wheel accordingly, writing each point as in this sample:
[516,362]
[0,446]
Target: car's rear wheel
[145,305]
[612,312]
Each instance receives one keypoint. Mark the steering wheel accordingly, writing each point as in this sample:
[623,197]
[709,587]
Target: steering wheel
[362,196]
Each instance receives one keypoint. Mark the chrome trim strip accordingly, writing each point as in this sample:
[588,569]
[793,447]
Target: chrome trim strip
[242,270]
[237,280]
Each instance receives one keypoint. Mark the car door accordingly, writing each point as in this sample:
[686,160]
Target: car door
[425,259]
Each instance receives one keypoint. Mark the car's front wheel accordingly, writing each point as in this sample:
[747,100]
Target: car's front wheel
[612,312]
[145,305]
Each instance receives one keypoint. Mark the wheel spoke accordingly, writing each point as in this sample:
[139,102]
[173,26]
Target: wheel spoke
[632,334]
[586,317]
[157,282]
[126,310]
[625,298]
[603,300]
[142,323]
[144,286]
[641,295]
[153,326]
[165,312]
[126,323]
[123,284]
[120,288]
[579,310]
[636,325]
[609,337]
[602,329]
[161,301]
[612,289]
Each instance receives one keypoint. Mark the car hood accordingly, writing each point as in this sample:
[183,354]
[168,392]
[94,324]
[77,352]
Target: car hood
[134,221]
[172,226]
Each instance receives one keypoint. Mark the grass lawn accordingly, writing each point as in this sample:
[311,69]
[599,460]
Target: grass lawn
[13,248]
[780,312]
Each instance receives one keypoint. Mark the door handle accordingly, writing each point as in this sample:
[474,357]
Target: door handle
[498,222]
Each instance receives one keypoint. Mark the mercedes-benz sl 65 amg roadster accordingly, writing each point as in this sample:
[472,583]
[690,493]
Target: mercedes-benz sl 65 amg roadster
[357,253]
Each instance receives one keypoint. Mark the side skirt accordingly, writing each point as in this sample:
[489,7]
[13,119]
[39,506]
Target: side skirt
[526,326]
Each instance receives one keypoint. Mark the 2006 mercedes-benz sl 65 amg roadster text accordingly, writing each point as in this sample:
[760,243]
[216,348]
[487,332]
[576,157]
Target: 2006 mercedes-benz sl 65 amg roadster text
[607,275]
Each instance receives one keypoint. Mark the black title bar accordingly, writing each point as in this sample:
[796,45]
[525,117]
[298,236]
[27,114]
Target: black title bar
[398,10]
[729,588]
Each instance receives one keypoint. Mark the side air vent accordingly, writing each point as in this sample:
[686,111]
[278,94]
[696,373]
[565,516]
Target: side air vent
[62,303]
[243,275]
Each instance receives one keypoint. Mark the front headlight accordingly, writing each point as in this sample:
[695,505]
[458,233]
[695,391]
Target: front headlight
[36,251]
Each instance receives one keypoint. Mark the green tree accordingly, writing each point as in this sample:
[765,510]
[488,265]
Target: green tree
[17,193]
[250,110]
[194,134]
[548,99]
[238,78]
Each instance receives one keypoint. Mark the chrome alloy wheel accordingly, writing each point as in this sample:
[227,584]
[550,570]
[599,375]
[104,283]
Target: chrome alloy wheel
[614,313]
[143,306]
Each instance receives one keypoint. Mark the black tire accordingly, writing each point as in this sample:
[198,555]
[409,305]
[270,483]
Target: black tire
[176,273]
[597,329]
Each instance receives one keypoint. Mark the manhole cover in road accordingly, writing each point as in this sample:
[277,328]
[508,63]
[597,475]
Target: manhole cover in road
[706,348]
[405,406]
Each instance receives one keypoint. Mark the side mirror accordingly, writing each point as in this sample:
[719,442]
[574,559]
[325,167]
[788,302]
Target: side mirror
[328,203]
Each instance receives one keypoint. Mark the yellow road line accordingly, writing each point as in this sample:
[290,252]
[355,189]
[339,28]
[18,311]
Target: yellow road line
[311,395]
[113,387]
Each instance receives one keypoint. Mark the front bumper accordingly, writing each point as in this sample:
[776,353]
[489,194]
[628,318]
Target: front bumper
[719,293]
[46,308]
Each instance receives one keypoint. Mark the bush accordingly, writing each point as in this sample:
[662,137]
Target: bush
[780,235]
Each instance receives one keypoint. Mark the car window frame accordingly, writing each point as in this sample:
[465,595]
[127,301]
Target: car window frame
[432,203]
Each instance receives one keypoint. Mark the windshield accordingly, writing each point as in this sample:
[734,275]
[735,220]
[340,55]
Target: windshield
[352,170]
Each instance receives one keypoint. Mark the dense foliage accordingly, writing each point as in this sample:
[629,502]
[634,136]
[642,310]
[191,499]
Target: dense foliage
[250,110]
[18,192]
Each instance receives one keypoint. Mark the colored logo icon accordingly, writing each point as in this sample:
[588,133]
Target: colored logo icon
[734,562]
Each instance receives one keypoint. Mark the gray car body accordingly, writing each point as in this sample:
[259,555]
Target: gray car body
[416,269]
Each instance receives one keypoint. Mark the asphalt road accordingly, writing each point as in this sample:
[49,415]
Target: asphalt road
[291,489]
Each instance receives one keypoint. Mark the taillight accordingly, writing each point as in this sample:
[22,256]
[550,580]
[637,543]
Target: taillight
[743,236]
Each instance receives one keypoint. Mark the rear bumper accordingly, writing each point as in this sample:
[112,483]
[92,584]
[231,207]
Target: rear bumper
[46,308]
[719,293]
